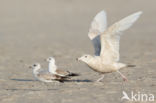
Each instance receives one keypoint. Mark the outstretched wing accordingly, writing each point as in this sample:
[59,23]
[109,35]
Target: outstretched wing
[98,26]
[111,37]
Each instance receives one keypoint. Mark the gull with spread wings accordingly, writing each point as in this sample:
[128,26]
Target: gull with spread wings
[106,44]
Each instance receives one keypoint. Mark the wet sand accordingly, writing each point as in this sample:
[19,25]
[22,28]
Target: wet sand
[31,31]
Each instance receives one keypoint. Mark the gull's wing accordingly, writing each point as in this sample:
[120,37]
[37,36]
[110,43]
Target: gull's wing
[62,72]
[111,37]
[98,26]
[49,76]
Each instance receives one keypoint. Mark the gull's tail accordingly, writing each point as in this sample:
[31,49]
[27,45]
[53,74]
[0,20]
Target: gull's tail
[73,74]
[122,65]
[130,65]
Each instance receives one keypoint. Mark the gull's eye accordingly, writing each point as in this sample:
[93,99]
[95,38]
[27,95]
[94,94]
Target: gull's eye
[34,65]
[86,56]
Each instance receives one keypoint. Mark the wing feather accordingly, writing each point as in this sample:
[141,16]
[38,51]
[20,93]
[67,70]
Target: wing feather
[98,26]
[111,37]
[62,73]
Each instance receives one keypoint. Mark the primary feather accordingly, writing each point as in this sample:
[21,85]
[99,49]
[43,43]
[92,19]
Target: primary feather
[98,26]
[111,37]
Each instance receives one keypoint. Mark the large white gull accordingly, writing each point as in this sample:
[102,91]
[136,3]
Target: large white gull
[106,44]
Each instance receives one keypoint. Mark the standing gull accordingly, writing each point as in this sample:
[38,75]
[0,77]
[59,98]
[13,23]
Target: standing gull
[106,44]
[45,76]
[54,70]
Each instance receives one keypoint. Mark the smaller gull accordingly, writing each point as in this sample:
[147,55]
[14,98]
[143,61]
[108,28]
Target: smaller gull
[45,76]
[106,44]
[54,70]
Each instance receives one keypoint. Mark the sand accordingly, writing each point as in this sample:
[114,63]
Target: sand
[32,30]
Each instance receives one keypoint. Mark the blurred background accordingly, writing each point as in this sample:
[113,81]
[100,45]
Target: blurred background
[45,23]
[32,30]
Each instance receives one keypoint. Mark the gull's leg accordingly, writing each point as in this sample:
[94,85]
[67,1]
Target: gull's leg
[124,77]
[99,80]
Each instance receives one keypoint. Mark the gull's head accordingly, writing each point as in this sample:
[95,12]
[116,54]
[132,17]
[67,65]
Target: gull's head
[36,66]
[51,59]
[85,58]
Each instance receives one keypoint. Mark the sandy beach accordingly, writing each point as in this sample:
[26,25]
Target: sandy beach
[32,30]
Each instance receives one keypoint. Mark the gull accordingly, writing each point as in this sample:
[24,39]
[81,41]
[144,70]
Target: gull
[54,70]
[45,76]
[106,44]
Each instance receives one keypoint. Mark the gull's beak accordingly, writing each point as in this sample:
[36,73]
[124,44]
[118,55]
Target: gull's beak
[77,59]
[45,60]
[30,67]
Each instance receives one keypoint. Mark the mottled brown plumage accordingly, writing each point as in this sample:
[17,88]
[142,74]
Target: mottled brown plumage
[46,76]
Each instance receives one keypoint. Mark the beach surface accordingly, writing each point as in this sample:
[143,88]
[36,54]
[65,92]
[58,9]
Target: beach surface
[33,30]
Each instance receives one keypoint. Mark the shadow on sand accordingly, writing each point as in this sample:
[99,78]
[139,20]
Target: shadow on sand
[30,80]
[50,89]
[85,80]
[23,80]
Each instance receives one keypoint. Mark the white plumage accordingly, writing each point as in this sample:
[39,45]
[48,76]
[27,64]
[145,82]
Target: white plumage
[45,76]
[106,43]
[59,72]
[98,26]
